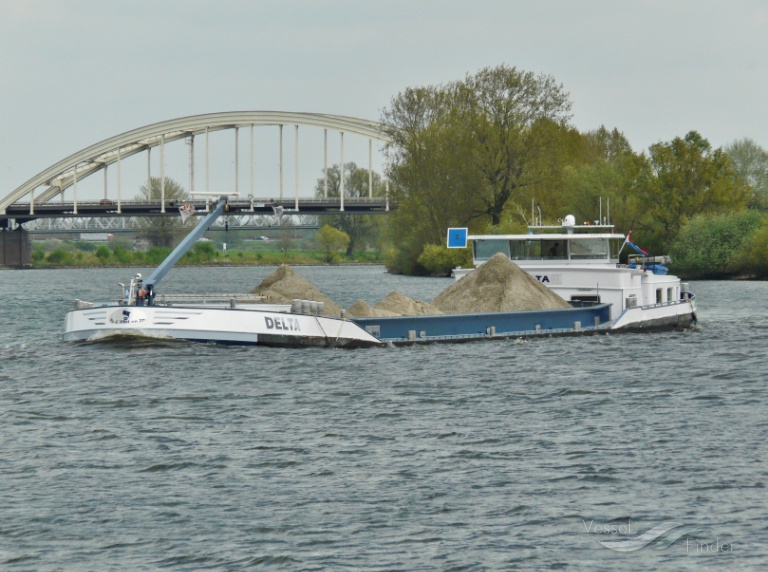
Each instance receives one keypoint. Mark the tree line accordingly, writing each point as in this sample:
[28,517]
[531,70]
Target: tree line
[479,152]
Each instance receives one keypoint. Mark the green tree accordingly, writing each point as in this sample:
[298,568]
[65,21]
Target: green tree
[606,172]
[156,255]
[750,161]
[201,252]
[332,242]
[469,154]
[428,174]
[286,240]
[363,230]
[754,257]
[60,257]
[103,253]
[162,230]
[685,178]
[122,254]
[515,119]
[441,260]
[714,246]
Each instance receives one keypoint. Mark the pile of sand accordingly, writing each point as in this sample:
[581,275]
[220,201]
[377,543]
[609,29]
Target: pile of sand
[361,309]
[395,304]
[284,285]
[499,285]
[398,303]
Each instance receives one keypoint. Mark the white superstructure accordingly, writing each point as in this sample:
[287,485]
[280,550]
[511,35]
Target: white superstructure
[581,264]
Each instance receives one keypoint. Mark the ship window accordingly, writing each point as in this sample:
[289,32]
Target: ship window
[615,246]
[517,250]
[484,249]
[553,249]
[670,294]
[583,249]
[581,300]
[658,295]
[524,249]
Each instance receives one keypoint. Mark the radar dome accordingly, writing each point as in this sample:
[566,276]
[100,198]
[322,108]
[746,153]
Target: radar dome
[569,220]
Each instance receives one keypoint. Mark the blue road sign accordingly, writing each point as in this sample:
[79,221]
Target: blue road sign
[457,238]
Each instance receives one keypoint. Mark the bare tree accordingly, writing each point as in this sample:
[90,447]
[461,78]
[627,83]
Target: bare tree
[162,230]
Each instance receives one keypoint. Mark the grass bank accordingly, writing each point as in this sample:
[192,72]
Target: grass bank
[202,254]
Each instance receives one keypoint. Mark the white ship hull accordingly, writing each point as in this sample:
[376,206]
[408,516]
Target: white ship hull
[219,325]
[671,315]
[639,299]
[582,267]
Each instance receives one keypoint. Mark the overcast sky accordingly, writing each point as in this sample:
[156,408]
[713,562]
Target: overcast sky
[75,72]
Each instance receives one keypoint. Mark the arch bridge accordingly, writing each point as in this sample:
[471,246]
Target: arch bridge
[34,198]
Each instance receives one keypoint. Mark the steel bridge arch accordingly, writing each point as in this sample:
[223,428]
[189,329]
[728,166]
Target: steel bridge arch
[88,161]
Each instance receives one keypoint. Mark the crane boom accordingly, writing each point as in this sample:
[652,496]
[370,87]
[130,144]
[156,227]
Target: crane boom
[184,245]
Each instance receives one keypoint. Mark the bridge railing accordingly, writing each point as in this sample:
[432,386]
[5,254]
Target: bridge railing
[261,210]
[112,206]
[133,224]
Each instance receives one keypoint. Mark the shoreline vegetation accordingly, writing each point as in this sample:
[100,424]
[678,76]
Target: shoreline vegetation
[496,152]
[89,255]
[212,264]
[119,253]
[288,262]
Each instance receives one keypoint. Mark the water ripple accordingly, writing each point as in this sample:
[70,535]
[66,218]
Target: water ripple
[438,457]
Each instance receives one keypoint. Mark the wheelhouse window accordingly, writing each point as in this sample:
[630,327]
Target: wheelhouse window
[524,249]
[484,249]
[554,250]
[537,249]
[589,249]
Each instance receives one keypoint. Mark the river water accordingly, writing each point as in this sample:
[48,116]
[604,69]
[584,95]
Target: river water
[491,455]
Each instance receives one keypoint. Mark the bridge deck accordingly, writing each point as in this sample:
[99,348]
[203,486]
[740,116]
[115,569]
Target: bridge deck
[23,212]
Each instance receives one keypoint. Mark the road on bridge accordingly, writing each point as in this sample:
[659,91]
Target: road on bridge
[19,213]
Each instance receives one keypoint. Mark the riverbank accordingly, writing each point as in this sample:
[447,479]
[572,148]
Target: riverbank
[214,264]
[228,263]
[202,254]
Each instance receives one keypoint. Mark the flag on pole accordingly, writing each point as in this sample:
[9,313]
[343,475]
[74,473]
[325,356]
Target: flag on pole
[632,245]
[186,211]
[278,210]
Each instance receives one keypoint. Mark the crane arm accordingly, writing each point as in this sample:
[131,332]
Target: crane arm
[185,245]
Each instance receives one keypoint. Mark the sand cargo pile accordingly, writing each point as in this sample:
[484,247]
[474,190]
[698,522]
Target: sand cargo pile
[284,285]
[499,285]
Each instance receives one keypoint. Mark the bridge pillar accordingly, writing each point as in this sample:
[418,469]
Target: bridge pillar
[15,248]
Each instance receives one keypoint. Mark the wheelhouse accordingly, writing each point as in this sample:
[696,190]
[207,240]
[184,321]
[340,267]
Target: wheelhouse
[599,247]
